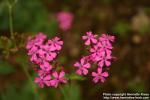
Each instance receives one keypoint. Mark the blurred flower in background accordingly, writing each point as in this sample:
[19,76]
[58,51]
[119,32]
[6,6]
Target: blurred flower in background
[65,20]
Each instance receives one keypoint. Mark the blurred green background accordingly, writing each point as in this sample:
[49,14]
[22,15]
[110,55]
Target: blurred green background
[128,20]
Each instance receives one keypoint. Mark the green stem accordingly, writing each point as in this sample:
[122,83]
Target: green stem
[62,91]
[11,22]
[29,77]
[33,86]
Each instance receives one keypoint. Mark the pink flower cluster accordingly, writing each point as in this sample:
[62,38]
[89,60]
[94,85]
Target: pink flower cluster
[100,53]
[43,53]
[65,20]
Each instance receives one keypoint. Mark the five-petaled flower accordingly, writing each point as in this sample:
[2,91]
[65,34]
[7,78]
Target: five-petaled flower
[90,38]
[42,81]
[99,76]
[55,43]
[58,78]
[82,67]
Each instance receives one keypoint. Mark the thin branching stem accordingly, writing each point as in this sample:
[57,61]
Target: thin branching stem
[10,7]
[11,22]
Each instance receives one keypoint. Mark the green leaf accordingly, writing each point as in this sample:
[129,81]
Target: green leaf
[71,92]
[6,68]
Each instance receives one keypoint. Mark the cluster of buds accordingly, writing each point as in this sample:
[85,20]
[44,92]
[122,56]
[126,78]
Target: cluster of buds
[43,53]
[100,53]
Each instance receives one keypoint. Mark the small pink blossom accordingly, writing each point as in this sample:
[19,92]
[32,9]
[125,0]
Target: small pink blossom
[55,43]
[33,50]
[58,78]
[37,40]
[45,66]
[106,37]
[105,59]
[42,72]
[65,20]
[82,66]
[99,76]
[104,45]
[95,53]
[90,38]
[47,54]
[42,81]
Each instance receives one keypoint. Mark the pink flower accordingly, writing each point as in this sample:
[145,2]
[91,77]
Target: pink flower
[104,45]
[33,50]
[105,59]
[58,78]
[42,72]
[88,58]
[99,76]
[82,66]
[106,37]
[36,41]
[45,66]
[100,51]
[47,53]
[43,53]
[55,43]
[95,53]
[90,38]
[42,81]
[65,20]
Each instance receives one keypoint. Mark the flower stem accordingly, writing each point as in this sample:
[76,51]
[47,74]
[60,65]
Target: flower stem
[29,78]
[63,92]
[11,22]
[10,7]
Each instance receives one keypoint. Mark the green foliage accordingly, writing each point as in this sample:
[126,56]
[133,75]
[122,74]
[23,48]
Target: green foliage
[121,28]
[52,27]
[136,86]
[143,30]
[74,76]
[22,59]
[29,16]
[5,44]
[23,93]
[8,45]
[62,59]
[5,67]
[71,92]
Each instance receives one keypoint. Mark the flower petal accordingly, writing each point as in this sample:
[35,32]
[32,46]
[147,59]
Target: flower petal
[62,74]
[107,63]
[105,74]
[99,70]
[79,72]
[85,71]
[55,74]
[94,74]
